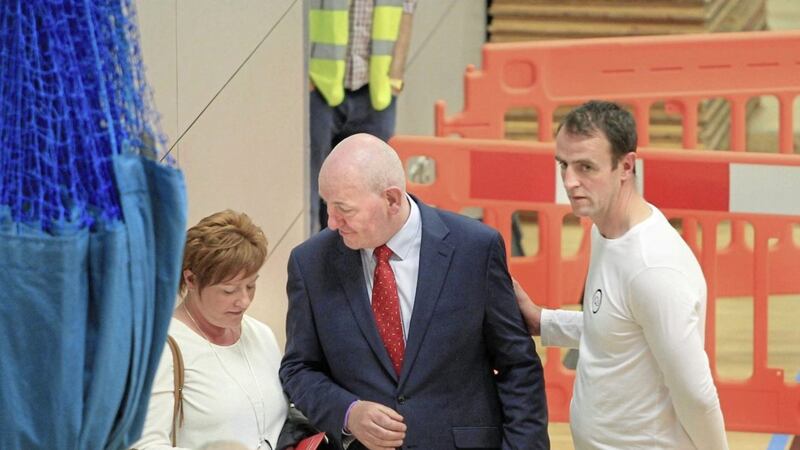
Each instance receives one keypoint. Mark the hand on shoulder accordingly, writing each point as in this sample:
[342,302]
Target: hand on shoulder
[531,312]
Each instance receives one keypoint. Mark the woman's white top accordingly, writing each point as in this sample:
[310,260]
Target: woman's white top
[218,402]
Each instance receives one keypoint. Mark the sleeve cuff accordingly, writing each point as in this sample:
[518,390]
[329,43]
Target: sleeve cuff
[561,328]
[345,431]
[545,322]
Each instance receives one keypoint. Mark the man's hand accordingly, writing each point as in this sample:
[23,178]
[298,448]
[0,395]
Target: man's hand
[530,312]
[376,426]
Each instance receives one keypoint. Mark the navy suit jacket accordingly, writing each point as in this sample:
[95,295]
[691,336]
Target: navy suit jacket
[470,378]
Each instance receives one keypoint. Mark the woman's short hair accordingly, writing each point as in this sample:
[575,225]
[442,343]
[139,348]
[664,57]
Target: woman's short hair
[222,246]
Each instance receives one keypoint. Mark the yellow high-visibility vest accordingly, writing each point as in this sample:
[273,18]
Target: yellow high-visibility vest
[328,25]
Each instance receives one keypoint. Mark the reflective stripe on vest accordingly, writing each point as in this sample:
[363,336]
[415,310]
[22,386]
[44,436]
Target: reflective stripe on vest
[329,4]
[328,32]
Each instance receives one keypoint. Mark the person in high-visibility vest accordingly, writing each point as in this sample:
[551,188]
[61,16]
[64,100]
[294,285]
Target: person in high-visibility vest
[357,59]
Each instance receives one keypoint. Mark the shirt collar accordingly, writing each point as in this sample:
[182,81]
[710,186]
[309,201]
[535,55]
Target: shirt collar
[410,233]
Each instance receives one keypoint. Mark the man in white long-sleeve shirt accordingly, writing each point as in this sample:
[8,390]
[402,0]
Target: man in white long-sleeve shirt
[643,378]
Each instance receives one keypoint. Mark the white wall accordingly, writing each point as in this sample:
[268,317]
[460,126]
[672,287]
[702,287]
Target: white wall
[447,35]
[228,78]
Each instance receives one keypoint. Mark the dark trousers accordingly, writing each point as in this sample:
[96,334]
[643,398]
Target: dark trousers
[328,126]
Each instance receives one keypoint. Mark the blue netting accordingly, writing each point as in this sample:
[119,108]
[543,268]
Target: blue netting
[72,95]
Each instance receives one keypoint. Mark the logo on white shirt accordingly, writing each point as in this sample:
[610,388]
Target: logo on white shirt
[597,300]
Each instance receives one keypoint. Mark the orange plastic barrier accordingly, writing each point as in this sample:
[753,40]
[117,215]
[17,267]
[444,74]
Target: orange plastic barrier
[680,70]
[708,188]
[638,71]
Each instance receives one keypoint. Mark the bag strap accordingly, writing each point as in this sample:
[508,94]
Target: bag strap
[177,366]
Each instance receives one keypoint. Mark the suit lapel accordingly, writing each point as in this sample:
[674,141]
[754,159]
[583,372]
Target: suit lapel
[434,262]
[350,271]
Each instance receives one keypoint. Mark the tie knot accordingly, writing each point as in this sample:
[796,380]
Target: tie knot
[382,253]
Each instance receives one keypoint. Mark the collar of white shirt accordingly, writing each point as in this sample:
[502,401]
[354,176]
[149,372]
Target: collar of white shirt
[409,234]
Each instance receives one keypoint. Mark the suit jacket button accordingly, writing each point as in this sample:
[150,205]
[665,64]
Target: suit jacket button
[401,399]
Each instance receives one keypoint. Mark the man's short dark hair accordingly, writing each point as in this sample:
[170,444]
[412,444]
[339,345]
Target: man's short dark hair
[616,124]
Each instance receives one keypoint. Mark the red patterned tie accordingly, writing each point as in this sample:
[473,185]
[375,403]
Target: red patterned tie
[386,307]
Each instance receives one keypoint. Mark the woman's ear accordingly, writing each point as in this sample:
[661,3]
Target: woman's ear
[189,279]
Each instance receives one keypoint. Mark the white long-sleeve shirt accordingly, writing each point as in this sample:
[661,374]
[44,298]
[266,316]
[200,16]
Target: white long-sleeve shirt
[643,378]
[214,406]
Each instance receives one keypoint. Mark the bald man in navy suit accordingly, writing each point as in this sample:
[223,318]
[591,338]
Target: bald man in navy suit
[436,356]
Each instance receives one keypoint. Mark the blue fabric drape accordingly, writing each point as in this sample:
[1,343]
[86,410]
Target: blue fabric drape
[84,316]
